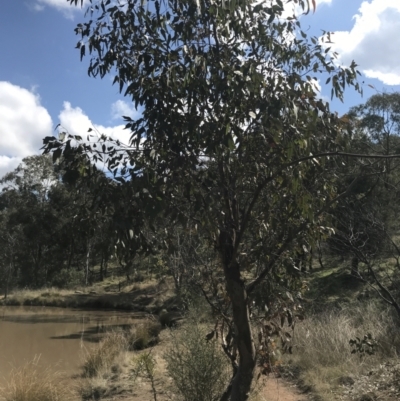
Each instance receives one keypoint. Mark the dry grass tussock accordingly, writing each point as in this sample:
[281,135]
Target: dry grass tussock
[322,351]
[107,367]
[100,359]
[103,364]
[30,382]
[143,334]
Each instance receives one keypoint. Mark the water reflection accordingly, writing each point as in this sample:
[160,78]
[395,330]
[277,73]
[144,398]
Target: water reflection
[58,335]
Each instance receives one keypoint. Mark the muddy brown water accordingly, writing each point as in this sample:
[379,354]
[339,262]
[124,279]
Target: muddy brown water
[57,335]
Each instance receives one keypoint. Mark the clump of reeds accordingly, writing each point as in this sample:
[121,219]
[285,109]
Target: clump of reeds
[100,359]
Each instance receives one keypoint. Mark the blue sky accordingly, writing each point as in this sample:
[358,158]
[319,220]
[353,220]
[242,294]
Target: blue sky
[43,82]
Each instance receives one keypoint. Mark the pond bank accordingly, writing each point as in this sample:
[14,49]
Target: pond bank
[148,297]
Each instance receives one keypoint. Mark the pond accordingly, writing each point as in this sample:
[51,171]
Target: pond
[59,336]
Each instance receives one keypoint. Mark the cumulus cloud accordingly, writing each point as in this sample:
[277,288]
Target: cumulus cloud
[76,122]
[374,41]
[24,122]
[121,108]
[61,5]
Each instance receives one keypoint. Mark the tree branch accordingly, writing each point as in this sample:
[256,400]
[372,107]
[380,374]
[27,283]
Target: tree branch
[337,153]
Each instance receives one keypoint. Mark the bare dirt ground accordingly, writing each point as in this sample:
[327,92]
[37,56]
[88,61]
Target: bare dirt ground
[274,389]
[278,389]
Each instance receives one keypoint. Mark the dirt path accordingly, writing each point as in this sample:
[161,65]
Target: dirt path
[277,389]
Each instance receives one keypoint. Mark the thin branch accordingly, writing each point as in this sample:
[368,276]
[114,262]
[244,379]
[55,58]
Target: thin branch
[337,153]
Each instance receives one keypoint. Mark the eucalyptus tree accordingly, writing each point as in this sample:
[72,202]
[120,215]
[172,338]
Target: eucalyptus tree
[10,244]
[373,127]
[379,120]
[30,222]
[233,136]
[366,221]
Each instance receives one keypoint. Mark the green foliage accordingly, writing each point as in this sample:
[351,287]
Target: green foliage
[231,143]
[198,367]
[145,365]
[365,217]
[363,346]
[68,278]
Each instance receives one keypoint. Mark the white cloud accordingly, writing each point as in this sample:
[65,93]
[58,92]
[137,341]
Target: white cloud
[121,108]
[23,125]
[61,5]
[294,9]
[8,164]
[374,41]
[76,122]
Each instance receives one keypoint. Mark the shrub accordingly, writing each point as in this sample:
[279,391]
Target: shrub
[31,383]
[68,278]
[145,365]
[199,369]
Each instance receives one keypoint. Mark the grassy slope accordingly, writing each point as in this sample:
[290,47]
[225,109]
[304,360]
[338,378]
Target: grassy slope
[340,308]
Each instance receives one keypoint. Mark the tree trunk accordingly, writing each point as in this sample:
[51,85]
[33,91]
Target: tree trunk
[101,267]
[320,255]
[7,280]
[37,257]
[241,383]
[71,254]
[87,263]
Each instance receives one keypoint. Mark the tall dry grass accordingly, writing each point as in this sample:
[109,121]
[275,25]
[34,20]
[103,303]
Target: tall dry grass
[30,382]
[100,359]
[102,364]
[143,334]
[321,344]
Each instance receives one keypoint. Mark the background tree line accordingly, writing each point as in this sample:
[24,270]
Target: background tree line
[54,229]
